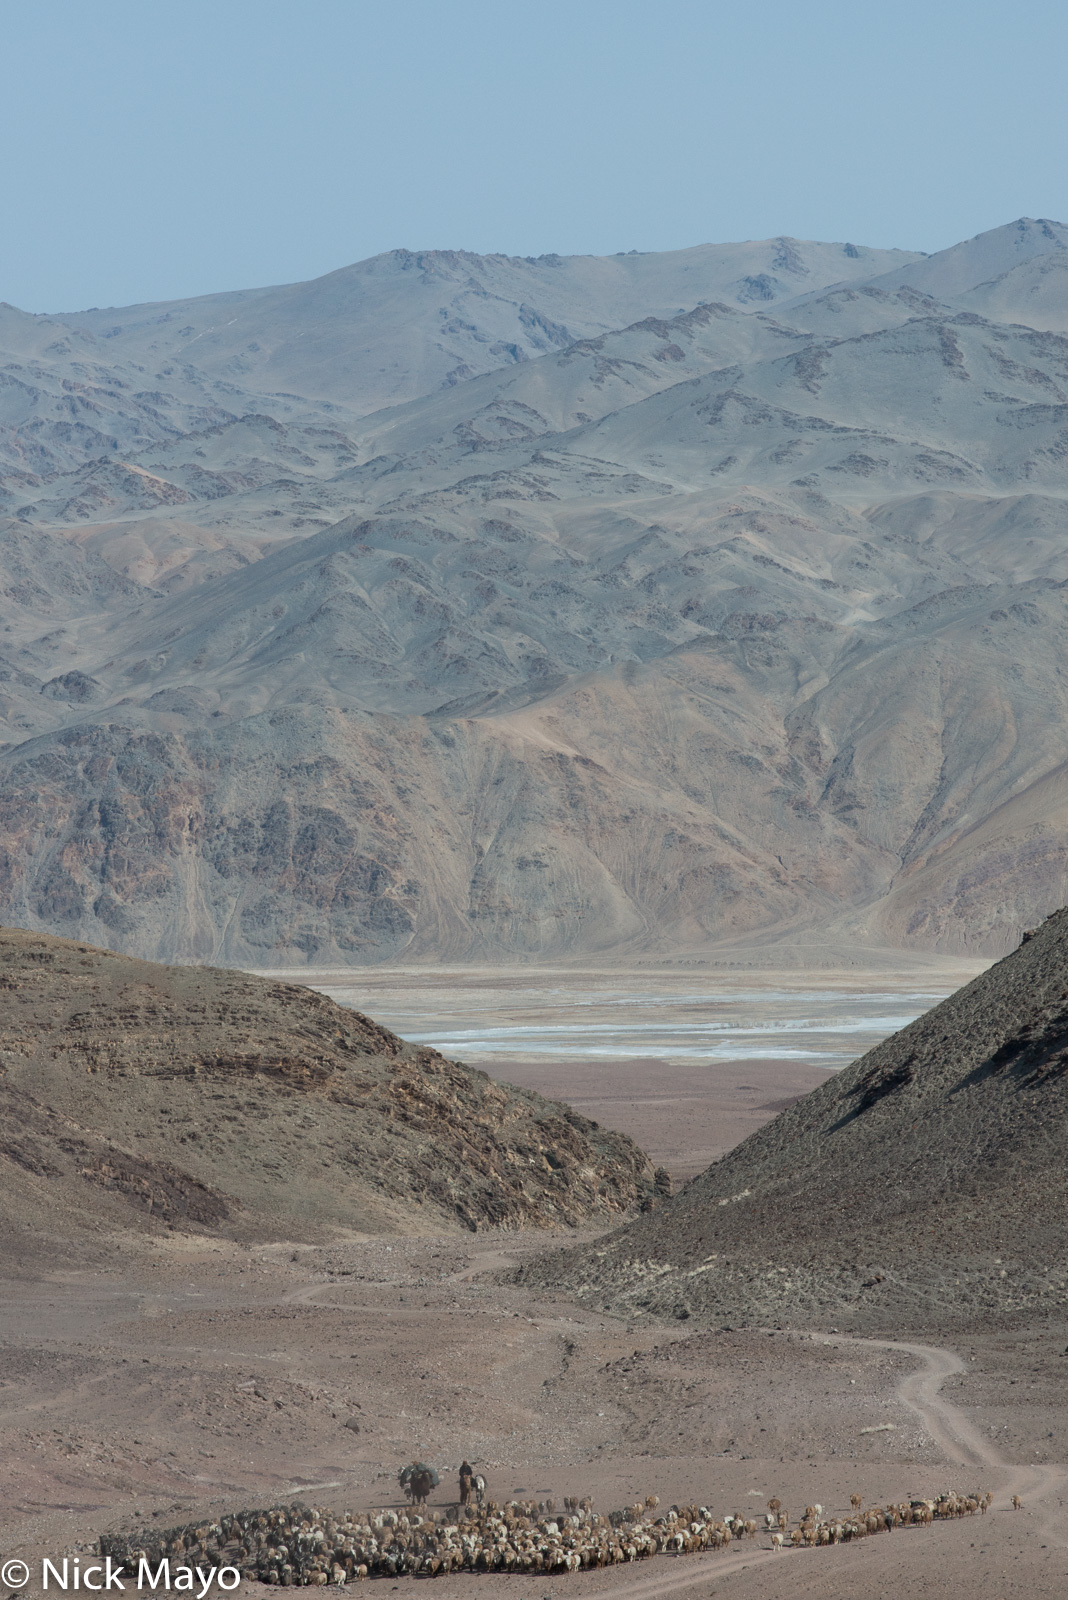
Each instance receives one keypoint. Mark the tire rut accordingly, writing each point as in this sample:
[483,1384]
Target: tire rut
[1042,1488]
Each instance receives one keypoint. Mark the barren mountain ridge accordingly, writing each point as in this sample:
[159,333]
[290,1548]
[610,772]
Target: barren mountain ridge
[465,606]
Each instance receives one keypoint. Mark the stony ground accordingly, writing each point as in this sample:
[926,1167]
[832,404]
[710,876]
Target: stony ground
[922,1187]
[201,1375]
[137,1097]
[181,1375]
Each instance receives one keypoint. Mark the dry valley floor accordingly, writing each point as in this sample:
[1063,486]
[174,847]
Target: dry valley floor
[198,1376]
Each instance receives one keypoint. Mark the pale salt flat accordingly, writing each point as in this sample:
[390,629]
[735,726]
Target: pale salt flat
[825,1019]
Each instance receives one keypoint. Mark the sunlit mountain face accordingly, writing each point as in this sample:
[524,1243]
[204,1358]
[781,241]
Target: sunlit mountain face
[478,608]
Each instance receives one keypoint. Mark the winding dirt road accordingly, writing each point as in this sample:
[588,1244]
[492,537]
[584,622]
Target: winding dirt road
[1042,1488]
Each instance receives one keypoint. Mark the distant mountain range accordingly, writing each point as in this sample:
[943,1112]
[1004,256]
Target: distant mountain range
[482,606]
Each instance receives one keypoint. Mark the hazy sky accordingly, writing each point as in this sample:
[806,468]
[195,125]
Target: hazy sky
[156,150]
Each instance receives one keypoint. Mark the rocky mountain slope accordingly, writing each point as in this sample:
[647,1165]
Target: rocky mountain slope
[924,1186]
[403,324]
[740,619]
[138,1096]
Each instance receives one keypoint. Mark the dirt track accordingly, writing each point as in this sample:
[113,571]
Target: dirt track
[195,1375]
[960,1443]
[210,1378]
[1042,1489]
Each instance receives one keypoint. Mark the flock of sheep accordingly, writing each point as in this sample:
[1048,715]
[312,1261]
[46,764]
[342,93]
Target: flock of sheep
[814,1528]
[298,1545]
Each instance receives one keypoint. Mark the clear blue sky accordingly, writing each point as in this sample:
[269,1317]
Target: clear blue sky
[156,150]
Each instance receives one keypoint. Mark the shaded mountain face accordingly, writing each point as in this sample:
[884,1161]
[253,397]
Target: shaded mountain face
[713,616]
[923,1187]
[141,1097]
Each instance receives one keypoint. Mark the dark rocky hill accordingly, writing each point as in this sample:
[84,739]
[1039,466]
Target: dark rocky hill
[137,1097]
[925,1186]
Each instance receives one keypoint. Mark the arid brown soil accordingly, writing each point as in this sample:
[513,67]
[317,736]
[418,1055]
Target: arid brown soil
[191,1373]
[685,1115]
[923,1187]
[143,1097]
[199,1376]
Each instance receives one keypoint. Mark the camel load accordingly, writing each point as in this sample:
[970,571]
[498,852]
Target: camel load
[417,1480]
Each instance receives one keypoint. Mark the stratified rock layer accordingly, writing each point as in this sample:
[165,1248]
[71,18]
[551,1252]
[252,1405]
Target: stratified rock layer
[468,607]
[142,1096]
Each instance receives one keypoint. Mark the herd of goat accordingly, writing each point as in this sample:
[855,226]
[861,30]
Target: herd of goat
[299,1545]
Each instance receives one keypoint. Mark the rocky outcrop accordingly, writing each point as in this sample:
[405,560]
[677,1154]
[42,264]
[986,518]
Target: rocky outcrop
[923,1187]
[137,1096]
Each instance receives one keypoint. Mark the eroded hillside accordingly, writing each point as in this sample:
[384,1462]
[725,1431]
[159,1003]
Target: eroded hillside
[923,1187]
[138,1096]
[744,616]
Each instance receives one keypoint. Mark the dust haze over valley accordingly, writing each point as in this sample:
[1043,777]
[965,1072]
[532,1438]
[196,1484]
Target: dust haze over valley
[570,608]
